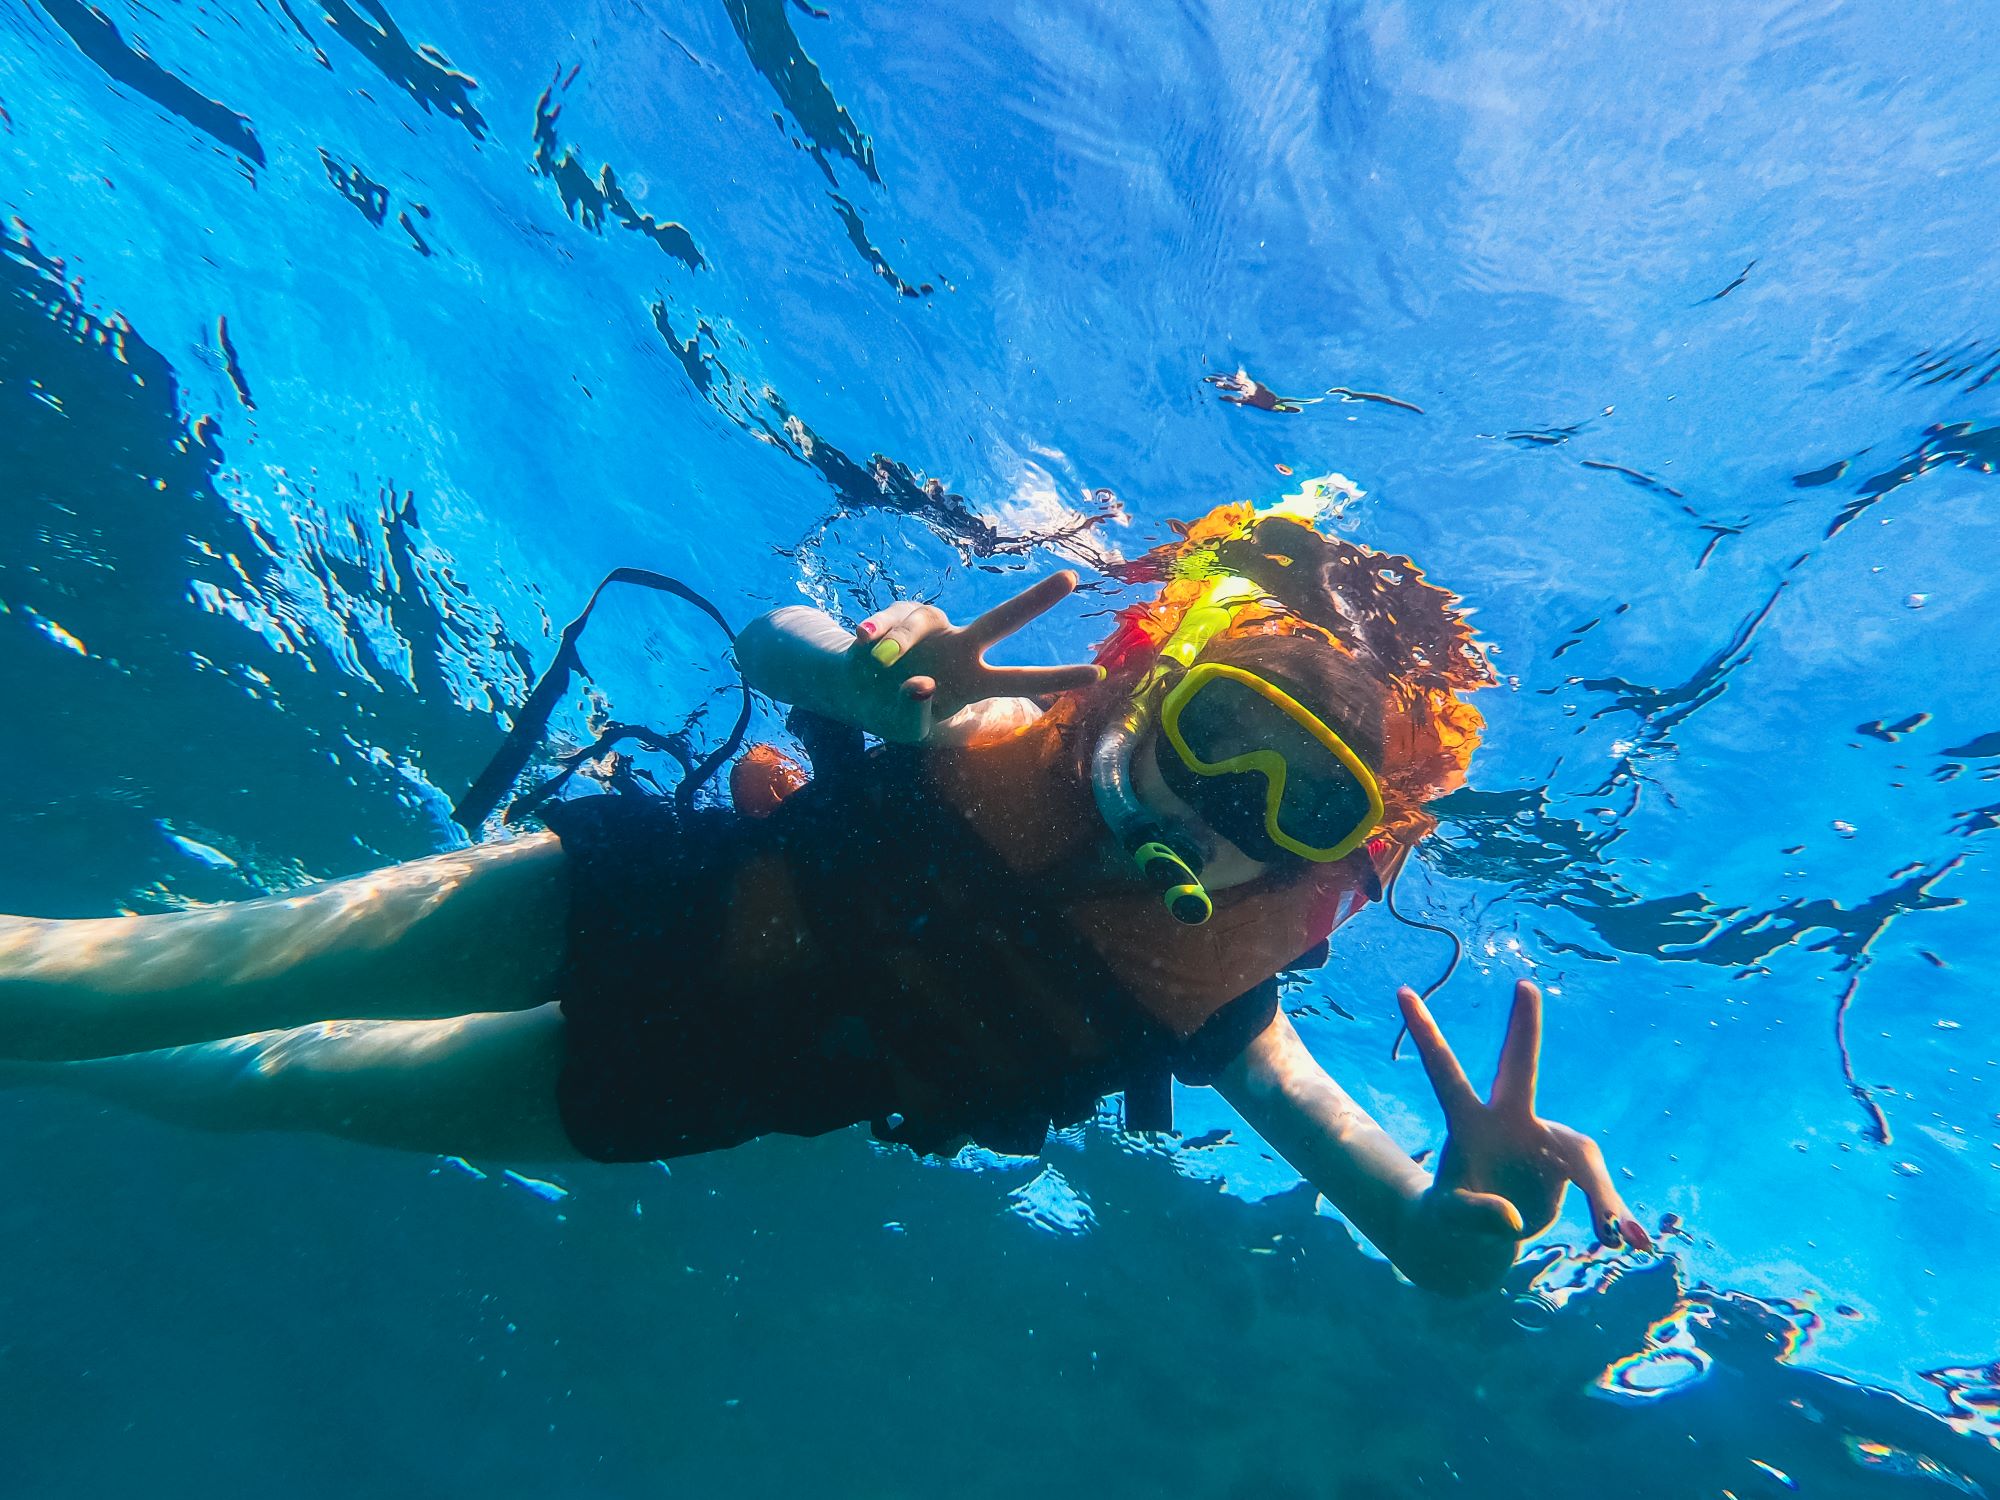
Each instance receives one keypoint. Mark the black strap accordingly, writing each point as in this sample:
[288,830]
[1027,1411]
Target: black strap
[1450,967]
[531,723]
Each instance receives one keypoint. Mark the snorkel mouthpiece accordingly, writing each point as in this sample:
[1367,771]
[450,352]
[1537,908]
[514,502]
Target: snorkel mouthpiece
[1180,887]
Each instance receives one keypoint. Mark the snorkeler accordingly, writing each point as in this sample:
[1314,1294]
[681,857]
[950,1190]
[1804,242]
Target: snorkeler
[1046,885]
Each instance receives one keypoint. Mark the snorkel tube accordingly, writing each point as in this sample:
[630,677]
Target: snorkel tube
[1167,858]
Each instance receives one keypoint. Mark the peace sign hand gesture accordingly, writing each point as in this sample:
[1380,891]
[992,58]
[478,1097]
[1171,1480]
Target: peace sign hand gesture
[914,667]
[1504,1170]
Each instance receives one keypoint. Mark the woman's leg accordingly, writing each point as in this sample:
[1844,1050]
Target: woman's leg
[481,929]
[478,1085]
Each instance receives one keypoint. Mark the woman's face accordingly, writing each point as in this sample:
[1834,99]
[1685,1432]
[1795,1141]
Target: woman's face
[1223,864]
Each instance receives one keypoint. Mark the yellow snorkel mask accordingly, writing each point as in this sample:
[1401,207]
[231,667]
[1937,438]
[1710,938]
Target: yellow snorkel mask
[1319,799]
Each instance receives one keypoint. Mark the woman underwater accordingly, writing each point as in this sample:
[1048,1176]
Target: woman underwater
[1010,909]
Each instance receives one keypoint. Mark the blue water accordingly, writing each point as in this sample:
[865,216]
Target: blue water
[341,351]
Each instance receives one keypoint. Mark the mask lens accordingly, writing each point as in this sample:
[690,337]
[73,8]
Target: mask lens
[1323,802]
[1232,805]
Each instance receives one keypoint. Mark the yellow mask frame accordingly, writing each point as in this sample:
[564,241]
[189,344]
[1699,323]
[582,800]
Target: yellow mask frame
[1268,762]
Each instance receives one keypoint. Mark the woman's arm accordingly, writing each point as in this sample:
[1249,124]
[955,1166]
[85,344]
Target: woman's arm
[1501,1176]
[906,673]
[1311,1121]
[805,657]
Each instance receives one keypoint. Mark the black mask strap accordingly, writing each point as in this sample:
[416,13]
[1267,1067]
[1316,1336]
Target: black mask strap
[1450,968]
[531,723]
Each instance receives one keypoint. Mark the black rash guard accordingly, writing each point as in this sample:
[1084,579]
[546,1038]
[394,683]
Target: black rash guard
[859,956]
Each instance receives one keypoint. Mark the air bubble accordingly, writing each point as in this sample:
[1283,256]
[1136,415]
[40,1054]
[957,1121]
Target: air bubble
[1532,1314]
[1916,601]
[1844,829]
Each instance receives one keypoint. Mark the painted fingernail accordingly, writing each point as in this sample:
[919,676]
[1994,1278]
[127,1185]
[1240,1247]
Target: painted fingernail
[866,630]
[887,652]
[1102,673]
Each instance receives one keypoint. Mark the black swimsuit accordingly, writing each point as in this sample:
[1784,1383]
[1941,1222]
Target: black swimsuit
[943,1002]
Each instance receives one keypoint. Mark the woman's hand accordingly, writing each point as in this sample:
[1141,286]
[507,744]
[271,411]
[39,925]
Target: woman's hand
[912,666]
[1504,1169]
